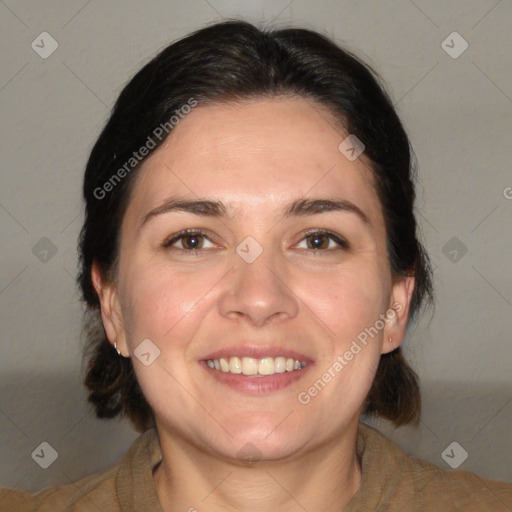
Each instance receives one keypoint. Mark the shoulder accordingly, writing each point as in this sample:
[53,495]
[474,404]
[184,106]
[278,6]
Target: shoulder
[91,493]
[405,481]
[15,500]
[112,489]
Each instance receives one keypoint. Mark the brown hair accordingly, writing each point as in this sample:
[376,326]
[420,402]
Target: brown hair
[234,60]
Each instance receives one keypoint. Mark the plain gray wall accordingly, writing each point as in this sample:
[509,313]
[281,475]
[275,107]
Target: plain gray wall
[458,112]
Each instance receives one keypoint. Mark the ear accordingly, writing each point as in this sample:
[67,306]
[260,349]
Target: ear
[397,313]
[111,314]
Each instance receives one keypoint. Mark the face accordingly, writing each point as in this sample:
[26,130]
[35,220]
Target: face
[255,279]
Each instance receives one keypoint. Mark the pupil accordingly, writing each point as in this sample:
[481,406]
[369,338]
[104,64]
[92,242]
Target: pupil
[317,241]
[195,243]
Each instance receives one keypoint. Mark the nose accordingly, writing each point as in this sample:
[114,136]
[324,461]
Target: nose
[259,292]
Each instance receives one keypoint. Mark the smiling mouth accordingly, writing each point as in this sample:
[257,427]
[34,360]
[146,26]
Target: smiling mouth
[253,367]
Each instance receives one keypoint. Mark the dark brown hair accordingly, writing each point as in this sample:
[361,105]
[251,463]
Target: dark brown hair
[230,61]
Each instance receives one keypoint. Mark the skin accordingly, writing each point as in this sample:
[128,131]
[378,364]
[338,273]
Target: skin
[255,156]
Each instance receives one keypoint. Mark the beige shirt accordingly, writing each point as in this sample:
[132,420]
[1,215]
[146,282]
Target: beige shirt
[392,481]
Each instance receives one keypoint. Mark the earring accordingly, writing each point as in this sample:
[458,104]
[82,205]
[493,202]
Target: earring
[117,350]
[390,340]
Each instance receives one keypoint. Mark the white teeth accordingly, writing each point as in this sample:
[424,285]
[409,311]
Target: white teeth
[224,365]
[235,365]
[249,366]
[266,366]
[280,364]
[258,367]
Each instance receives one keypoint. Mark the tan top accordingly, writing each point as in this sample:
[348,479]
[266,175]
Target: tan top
[392,481]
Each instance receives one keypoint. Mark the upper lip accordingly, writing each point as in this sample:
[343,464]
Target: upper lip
[257,352]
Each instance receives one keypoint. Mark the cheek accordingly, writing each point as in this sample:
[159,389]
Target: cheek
[347,300]
[348,304]
[165,306]
[162,303]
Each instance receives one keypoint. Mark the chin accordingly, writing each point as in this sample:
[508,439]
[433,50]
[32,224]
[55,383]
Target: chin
[248,451]
[268,440]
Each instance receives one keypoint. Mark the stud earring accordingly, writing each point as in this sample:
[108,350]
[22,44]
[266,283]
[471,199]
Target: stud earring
[117,350]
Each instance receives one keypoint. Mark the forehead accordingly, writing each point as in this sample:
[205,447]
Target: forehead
[255,154]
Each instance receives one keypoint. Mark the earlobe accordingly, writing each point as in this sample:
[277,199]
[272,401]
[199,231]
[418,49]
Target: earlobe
[110,310]
[401,296]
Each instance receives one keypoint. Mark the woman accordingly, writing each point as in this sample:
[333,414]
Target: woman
[251,246]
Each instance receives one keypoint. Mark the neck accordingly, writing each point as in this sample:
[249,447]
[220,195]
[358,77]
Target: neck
[325,478]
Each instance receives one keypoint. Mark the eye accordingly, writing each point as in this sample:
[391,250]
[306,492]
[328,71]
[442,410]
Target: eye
[194,240]
[190,239]
[321,238]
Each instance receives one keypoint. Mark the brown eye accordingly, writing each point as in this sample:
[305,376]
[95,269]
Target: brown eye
[321,239]
[190,241]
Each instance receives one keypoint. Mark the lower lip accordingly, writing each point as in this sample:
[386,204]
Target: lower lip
[257,385]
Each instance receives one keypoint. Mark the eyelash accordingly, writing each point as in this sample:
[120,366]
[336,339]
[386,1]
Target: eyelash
[342,243]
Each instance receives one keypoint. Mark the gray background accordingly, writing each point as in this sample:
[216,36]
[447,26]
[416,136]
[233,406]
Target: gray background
[458,112]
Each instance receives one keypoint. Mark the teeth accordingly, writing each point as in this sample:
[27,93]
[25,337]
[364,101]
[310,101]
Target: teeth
[235,365]
[266,366]
[280,364]
[258,367]
[224,365]
[249,366]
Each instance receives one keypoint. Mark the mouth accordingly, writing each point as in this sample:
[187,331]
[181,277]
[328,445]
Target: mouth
[256,370]
[252,367]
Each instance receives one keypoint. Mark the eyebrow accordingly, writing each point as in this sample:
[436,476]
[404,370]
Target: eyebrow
[298,208]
